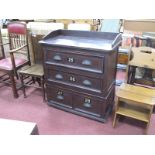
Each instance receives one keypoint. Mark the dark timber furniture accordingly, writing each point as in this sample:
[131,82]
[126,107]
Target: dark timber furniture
[18,55]
[80,70]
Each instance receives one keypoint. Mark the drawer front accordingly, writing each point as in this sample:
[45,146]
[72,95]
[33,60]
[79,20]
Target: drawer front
[59,95]
[74,79]
[88,104]
[85,62]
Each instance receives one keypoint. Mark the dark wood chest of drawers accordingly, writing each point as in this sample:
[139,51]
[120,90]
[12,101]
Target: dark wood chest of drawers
[80,69]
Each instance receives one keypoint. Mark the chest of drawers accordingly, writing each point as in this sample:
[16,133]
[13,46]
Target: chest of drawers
[80,69]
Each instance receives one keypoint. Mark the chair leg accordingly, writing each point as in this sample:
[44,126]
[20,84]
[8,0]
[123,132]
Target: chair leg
[38,79]
[114,121]
[13,85]
[33,79]
[16,75]
[146,129]
[43,88]
[23,86]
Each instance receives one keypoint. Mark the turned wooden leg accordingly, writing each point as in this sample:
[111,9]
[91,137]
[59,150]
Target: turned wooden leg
[13,85]
[22,83]
[16,74]
[43,88]
[33,79]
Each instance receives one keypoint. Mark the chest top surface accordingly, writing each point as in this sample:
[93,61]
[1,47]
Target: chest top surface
[83,39]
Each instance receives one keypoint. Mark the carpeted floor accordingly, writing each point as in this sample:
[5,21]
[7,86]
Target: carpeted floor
[52,121]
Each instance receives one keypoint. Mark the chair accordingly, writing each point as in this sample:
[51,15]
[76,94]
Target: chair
[2,54]
[1,46]
[145,75]
[142,58]
[35,71]
[92,22]
[133,31]
[18,44]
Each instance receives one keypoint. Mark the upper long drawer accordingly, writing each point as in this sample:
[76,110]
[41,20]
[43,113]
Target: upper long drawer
[78,60]
[75,80]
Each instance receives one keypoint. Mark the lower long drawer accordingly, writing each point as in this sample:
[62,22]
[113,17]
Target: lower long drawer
[79,103]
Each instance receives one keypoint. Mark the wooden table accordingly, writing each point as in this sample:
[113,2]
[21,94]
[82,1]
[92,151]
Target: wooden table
[135,102]
[14,127]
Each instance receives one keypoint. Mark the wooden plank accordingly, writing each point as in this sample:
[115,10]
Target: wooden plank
[125,95]
[137,90]
[133,114]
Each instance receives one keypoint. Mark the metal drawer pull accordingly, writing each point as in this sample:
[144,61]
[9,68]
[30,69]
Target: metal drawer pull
[87,103]
[72,78]
[71,60]
[57,58]
[60,95]
[59,76]
[86,62]
[87,83]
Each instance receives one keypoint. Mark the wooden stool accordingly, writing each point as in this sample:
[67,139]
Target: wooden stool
[134,102]
[34,71]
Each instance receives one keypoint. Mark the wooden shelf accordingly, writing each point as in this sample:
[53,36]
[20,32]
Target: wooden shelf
[133,113]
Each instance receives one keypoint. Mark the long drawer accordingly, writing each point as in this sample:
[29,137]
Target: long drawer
[89,83]
[83,61]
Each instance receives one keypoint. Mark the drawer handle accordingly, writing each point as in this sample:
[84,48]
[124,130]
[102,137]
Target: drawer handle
[87,83]
[71,60]
[86,62]
[87,103]
[72,78]
[60,95]
[59,76]
[57,58]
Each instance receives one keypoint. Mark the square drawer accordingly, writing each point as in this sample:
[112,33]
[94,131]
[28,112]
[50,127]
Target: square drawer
[59,96]
[88,104]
